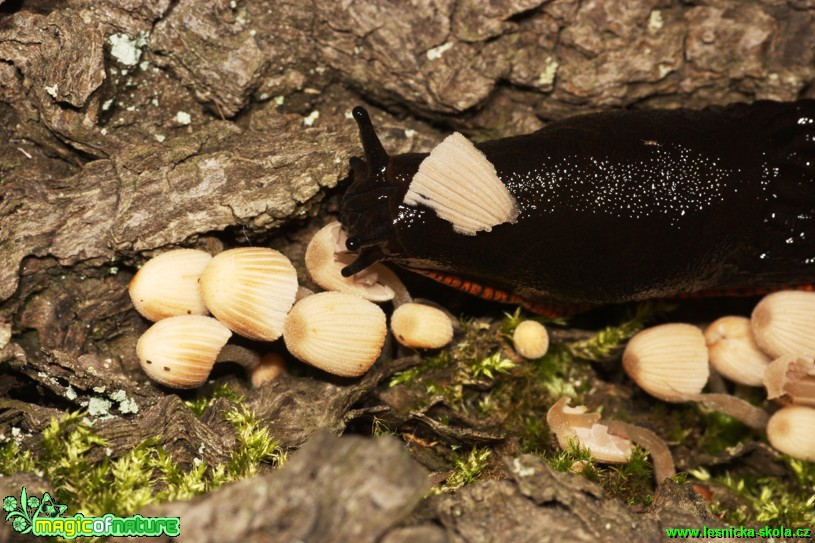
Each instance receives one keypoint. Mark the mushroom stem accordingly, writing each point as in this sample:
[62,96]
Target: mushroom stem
[247,358]
[664,467]
[752,416]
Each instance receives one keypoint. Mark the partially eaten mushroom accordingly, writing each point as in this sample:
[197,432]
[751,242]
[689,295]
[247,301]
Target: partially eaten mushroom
[327,255]
[791,378]
[575,423]
[608,441]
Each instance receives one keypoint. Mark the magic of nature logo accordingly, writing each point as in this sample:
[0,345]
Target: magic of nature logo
[43,517]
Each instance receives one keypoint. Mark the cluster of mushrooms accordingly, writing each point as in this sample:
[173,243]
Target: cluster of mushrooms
[773,349]
[253,292]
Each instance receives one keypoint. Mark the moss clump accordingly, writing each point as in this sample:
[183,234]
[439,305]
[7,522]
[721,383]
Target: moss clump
[468,467]
[630,482]
[608,341]
[147,474]
[199,405]
[773,501]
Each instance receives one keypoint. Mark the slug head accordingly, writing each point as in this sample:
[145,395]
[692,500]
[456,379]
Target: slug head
[364,212]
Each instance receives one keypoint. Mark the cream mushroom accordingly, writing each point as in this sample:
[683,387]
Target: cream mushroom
[790,431]
[421,326]
[670,362]
[250,290]
[783,323]
[326,256]
[339,333]
[167,285]
[531,339]
[791,378]
[734,352]
[179,352]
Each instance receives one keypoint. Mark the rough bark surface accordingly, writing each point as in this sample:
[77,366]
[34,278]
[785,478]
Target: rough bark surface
[130,127]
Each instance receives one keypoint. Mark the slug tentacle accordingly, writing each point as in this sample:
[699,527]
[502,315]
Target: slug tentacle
[375,154]
[603,208]
[364,211]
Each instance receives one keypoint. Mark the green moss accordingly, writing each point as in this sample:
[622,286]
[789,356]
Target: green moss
[608,341]
[575,459]
[144,475]
[12,459]
[412,375]
[199,405]
[771,501]
[490,366]
[630,482]
[468,468]
[379,428]
[255,446]
[721,432]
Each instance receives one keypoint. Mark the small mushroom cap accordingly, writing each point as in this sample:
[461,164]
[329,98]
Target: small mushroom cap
[669,361]
[421,326]
[327,255]
[271,366]
[734,352]
[783,323]
[179,352]
[250,290]
[573,422]
[790,430]
[793,377]
[531,339]
[336,332]
[167,285]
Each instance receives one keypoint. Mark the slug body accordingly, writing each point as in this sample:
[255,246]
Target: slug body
[607,207]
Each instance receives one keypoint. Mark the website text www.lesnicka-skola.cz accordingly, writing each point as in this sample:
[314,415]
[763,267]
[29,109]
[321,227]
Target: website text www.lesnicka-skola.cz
[739,532]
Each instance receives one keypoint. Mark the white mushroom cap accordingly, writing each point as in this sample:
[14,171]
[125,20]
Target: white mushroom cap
[179,352]
[783,323]
[791,377]
[734,352]
[327,255]
[336,332]
[167,285]
[669,361]
[421,326]
[250,290]
[790,430]
[531,339]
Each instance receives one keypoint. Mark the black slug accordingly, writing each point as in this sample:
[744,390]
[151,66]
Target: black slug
[599,208]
